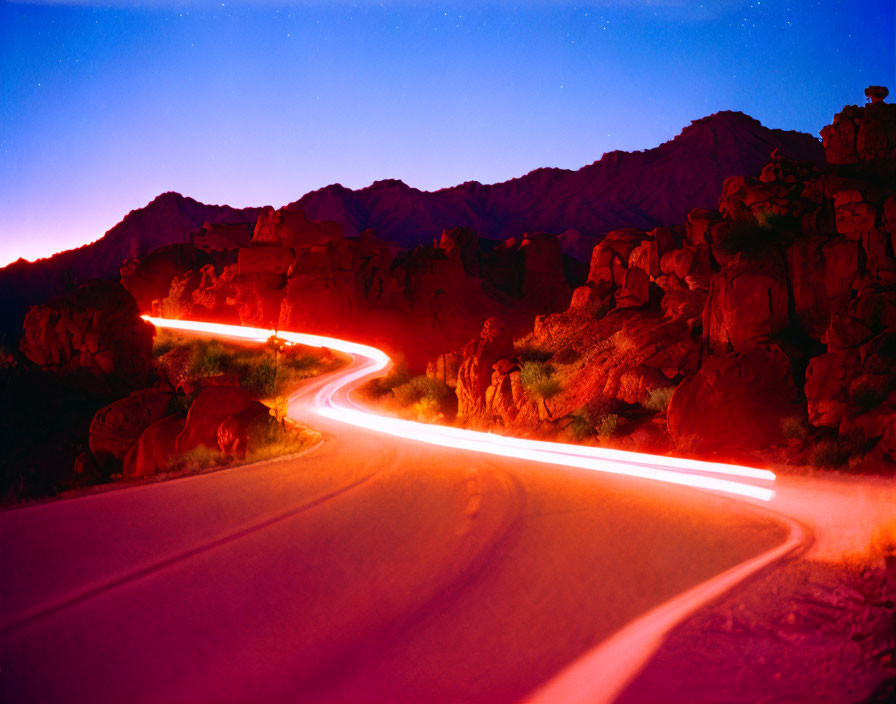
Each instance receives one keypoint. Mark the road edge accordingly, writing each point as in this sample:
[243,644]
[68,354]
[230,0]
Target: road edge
[602,674]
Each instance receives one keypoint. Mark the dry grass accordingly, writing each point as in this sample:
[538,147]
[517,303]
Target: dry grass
[538,379]
[267,370]
[658,399]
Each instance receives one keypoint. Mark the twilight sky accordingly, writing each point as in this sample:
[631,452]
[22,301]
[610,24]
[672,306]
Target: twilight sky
[104,105]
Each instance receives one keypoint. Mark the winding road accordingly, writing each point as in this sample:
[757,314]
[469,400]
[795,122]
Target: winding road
[393,562]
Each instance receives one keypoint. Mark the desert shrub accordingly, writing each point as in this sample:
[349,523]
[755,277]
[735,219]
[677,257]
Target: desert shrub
[825,454]
[280,439]
[261,376]
[162,343]
[422,388]
[398,375]
[197,459]
[207,358]
[580,425]
[537,379]
[279,407]
[795,428]
[658,398]
[528,351]
[606,425]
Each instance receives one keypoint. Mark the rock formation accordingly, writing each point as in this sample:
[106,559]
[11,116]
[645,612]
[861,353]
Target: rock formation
[773,318]
[94,330]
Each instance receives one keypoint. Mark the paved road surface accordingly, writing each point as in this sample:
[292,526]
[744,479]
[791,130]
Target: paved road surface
[372,568]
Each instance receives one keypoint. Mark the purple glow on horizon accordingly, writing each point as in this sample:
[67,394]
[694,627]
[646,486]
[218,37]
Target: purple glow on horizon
[255,103]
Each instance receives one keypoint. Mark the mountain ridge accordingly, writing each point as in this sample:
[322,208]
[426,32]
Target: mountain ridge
[640,188]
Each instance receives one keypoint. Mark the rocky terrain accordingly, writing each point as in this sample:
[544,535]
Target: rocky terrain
[761,330]
[641,189]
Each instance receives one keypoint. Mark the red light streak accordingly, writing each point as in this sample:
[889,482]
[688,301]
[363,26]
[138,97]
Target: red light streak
[333,402]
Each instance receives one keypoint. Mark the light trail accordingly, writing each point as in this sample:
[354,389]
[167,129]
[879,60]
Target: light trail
[333,402]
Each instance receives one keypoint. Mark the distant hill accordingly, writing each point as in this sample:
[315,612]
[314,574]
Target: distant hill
[642,189]
[168,219]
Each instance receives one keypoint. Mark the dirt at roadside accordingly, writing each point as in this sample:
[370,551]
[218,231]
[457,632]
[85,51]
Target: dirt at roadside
[804,632]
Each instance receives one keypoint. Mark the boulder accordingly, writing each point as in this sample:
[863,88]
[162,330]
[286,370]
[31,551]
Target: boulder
[636,383]
[853,214]
[871,313]
[209,409]
[241,431]
[95,329]
[828,377]
[116,427]
[506,401]
[821,273]
[747,303]
[861,134]
[609,260]
[736,402]
[156,447]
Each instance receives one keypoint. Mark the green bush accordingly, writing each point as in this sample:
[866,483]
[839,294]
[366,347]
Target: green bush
[658,398]
[580,425]
[261,376]
[398,375]
[606,426]
[207,358]
[537,379]
[422,388]
[163,342]
[279,439]
[197,459]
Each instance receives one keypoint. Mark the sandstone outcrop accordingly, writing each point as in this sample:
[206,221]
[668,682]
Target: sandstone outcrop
[475,373]
[156,447]
[772,317]
[735,402]
[239,432]
[94,330]
[116,427]
[211,407]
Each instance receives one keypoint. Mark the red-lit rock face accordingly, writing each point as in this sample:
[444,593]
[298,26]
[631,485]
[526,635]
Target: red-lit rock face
[735,308]
[750,395]
[212,406]
[95,329]
[155,448]
[116,428]
[864,133]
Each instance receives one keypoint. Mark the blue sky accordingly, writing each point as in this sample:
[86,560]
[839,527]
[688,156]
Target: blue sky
[105,105]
